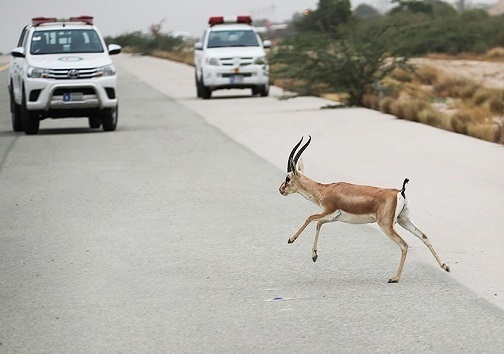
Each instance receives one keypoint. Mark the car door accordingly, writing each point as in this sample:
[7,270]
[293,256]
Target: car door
[16,66]
[199,55]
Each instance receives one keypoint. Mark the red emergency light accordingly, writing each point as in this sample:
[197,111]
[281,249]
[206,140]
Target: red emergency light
[244,19]
[216,20]
[86,19]
[40,20]
[36,21]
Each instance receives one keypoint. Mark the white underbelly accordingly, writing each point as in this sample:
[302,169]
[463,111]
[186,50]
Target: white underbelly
[353,218]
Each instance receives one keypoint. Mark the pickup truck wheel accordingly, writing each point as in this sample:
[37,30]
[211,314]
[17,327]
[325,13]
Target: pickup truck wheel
[206,92]
[264,90]
[17,123]
[95,122]
[255,91]
[30,121]
[198,87]
[109,118]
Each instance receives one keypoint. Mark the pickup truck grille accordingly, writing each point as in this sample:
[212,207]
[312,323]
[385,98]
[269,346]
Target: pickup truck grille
[73,74]
[243,61]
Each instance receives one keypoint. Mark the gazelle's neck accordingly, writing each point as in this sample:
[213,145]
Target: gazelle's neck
[309,189]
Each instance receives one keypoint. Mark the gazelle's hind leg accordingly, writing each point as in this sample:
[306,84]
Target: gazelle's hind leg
[407,224]
[394,236]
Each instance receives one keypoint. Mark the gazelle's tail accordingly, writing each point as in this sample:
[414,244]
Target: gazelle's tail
[403,190]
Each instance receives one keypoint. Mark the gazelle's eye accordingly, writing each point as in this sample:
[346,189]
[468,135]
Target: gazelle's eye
[287,180]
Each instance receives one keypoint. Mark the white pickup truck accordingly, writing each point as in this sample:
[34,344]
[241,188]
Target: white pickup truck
[62,68]
[231,55]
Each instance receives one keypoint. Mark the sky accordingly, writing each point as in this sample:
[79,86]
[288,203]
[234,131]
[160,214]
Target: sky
[114,17]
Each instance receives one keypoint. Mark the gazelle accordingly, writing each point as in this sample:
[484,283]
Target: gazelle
[353,204]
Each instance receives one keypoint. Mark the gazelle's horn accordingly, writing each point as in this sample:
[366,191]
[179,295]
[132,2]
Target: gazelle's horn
[290,164]
[298,155]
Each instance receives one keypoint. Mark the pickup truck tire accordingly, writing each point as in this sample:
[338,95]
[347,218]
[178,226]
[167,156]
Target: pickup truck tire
[17,123]
[206,92]
[198,87]
[95,122]
[109,117]
[264,90]
[30,121]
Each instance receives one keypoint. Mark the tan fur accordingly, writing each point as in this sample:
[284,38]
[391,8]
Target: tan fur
[355,204]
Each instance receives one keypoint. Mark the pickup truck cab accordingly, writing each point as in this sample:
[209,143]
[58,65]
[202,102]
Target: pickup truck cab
[62,68]
[231,55]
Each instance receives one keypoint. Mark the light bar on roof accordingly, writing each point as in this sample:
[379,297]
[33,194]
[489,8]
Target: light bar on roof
[40,20]
[86,19]
[36,21]
[216,20]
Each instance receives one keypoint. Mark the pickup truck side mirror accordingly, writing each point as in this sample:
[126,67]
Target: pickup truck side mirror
[114,49]
[267,43]
[18,52]
[198,46]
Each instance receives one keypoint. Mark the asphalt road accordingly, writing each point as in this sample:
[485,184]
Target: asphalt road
[169,234]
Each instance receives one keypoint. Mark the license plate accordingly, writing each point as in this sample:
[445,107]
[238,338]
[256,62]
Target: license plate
[72,96]
[236,79]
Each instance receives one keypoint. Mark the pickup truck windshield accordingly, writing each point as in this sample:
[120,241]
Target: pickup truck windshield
[240,38]
[65,41]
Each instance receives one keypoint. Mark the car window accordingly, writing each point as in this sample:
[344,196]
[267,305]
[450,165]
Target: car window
[22,37]
[239,38]
[65,41]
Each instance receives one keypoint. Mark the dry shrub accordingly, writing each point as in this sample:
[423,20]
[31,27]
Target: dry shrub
[491,99]
[401,75]
[408,108]
[385,105]
[457,87]
[416,91]
[498,128]
[434,117]
[459,122]
[341,97]
[496,103]
[464,120]
[495,53]
[390,87]
[371,101]
[481,95]
[428,75]
[484,131]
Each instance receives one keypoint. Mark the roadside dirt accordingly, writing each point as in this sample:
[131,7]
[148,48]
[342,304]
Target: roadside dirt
[486,73]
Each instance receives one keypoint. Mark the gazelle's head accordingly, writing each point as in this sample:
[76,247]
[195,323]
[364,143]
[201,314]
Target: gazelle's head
[294,170]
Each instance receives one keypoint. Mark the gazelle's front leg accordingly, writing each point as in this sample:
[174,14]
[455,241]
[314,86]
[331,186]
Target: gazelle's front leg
[310,219]
[321,222]
[314,248]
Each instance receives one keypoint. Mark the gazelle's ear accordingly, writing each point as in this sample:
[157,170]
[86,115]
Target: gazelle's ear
[300,165]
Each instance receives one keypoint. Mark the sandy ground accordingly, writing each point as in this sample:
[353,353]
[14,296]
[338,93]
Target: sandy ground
[486,73]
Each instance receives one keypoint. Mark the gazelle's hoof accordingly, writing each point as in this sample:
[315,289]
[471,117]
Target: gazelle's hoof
[445,267]
[393,281]
[314,258]
[289,241]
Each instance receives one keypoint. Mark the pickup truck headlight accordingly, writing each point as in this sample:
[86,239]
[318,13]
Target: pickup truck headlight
[212,61]
[108,70]
[37,73]
[261,61]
